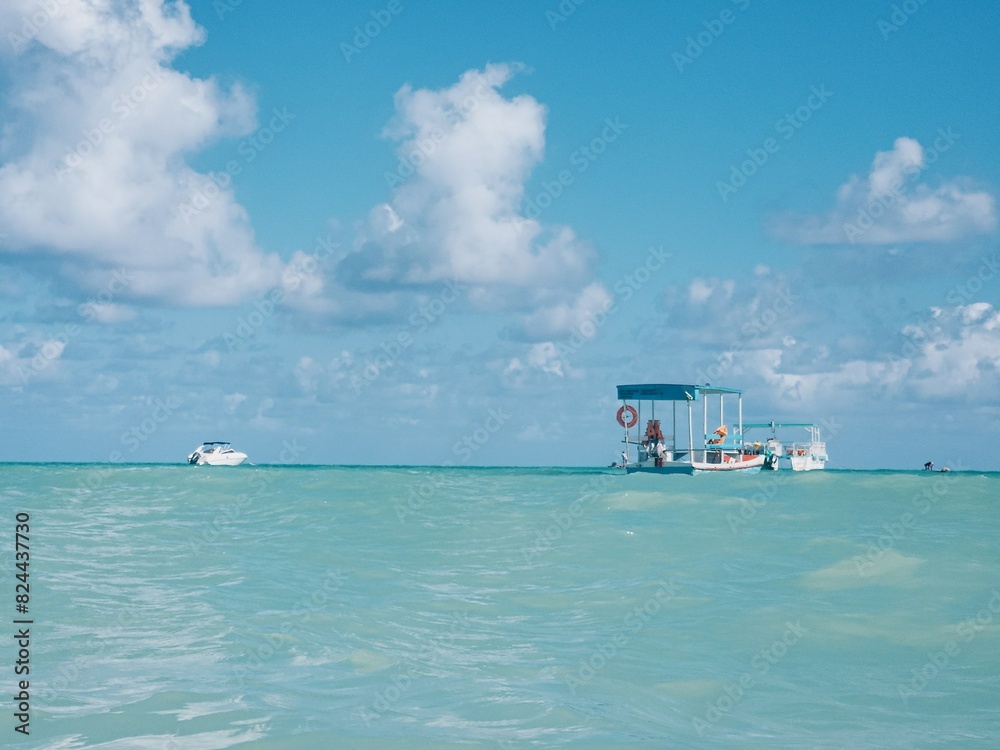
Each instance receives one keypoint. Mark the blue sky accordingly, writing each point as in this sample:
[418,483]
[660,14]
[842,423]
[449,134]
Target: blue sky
[404,233]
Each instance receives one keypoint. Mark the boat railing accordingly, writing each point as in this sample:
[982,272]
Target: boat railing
[723,447]
[805,449]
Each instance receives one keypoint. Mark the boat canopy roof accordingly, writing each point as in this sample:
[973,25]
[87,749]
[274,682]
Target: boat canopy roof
[670,391]
[774,425]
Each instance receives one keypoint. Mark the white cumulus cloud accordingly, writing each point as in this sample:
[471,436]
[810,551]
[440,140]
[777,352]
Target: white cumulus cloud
[29,359]
[891,205]
[92,161]
[955,353]
[454,214]
[580,315]
[958,353]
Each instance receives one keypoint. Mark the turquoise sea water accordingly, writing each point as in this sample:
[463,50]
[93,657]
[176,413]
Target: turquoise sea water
[326,607]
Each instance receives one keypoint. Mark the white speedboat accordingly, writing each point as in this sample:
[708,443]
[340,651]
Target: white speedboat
[216,454]
[664,450]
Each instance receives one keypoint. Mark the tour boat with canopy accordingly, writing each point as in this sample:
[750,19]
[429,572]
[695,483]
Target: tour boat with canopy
[673,453]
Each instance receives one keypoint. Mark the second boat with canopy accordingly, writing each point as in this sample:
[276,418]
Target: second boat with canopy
[669,452]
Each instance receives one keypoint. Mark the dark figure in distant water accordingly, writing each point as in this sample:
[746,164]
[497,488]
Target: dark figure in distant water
[929,465]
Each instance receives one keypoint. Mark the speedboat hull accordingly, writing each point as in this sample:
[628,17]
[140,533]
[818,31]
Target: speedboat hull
[227,459]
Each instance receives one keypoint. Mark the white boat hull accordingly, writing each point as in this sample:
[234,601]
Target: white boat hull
[807,463]
[226,459]
[742,463]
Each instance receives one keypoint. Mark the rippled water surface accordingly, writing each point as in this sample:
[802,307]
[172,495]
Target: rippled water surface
[279,607]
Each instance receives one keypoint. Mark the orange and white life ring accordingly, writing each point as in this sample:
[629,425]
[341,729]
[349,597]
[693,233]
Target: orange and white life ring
[633,416]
